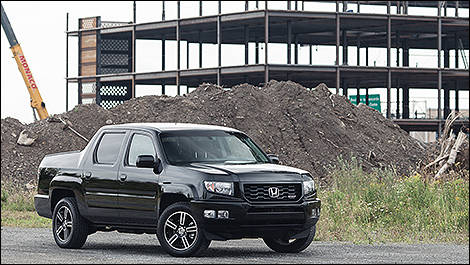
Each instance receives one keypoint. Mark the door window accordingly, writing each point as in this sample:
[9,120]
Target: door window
[140,145]
[108,148]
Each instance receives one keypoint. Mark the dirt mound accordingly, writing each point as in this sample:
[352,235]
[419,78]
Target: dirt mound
[308,129]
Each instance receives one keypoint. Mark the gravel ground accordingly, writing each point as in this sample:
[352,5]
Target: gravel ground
[36,245]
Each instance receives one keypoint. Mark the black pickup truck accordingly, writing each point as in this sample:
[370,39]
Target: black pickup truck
[189,184]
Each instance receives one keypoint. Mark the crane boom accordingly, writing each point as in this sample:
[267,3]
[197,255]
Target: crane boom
[36,100]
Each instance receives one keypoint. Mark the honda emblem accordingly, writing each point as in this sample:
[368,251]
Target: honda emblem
[273,192]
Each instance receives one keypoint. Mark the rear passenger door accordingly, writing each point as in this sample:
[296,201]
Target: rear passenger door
[100,177]
[138,188]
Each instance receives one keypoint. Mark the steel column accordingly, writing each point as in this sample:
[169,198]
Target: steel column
[309,53]
[439,81]
[247,38]
[200,49]
[338,77]
[163,10]
[289,42]
[367,56]
[456,46]
[345,48]
[133,50]
[406,102]
[358,53]
[389,73]
[358,93]
[296,49]
[345,87]
[187,55]
[219,44]
[456,8]
[178,49]
[266,42]
[256,52]
[397,114]
[456,95]
[367,96]
[397,47]
[67,62]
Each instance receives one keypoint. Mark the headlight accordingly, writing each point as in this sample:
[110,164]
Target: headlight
[309,187]
[225,188]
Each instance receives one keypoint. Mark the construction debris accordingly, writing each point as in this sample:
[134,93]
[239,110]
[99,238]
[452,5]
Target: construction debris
[450,147]
[309,129]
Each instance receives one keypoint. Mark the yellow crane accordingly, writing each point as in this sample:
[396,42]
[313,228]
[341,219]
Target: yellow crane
[36,100]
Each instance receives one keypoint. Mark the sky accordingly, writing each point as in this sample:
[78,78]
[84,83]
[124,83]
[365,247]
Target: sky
[40,29]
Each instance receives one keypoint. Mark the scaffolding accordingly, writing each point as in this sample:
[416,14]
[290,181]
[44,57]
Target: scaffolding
[107,65]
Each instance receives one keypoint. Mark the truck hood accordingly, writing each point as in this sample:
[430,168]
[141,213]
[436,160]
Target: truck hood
[252,172]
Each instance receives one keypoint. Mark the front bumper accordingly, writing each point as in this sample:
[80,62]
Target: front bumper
[293,220]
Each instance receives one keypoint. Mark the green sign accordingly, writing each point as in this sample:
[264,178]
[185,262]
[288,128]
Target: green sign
[374,101]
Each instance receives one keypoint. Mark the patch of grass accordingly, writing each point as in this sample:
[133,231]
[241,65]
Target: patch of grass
[24,219]
[18,209]
[380,206]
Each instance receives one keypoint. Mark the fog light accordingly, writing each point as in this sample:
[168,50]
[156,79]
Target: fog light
[209,213]
[222,214]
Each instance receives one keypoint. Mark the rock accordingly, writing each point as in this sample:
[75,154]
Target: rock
[24,138]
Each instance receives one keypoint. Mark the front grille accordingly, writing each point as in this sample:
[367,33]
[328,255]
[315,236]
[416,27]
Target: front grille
[260,193]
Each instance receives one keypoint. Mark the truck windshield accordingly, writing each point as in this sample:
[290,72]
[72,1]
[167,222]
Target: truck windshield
[184,147]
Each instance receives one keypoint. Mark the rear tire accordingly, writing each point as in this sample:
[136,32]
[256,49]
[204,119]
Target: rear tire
[285,246]
[179,233]
[69,228]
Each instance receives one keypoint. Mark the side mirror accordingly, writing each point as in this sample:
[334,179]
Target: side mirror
[146,161]
[273,158]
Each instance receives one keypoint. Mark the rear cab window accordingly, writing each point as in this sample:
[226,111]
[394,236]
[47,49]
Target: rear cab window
[108,148]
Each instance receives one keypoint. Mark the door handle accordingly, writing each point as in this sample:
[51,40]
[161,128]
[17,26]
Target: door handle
[87,175]
[123,177]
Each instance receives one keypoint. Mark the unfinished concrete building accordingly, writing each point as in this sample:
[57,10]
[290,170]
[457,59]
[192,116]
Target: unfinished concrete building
[107,66]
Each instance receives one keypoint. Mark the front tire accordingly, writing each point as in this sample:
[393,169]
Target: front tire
[179,233]
[286,246]
[69,228]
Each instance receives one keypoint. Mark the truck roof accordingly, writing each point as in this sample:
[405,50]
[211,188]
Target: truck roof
[164,127]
